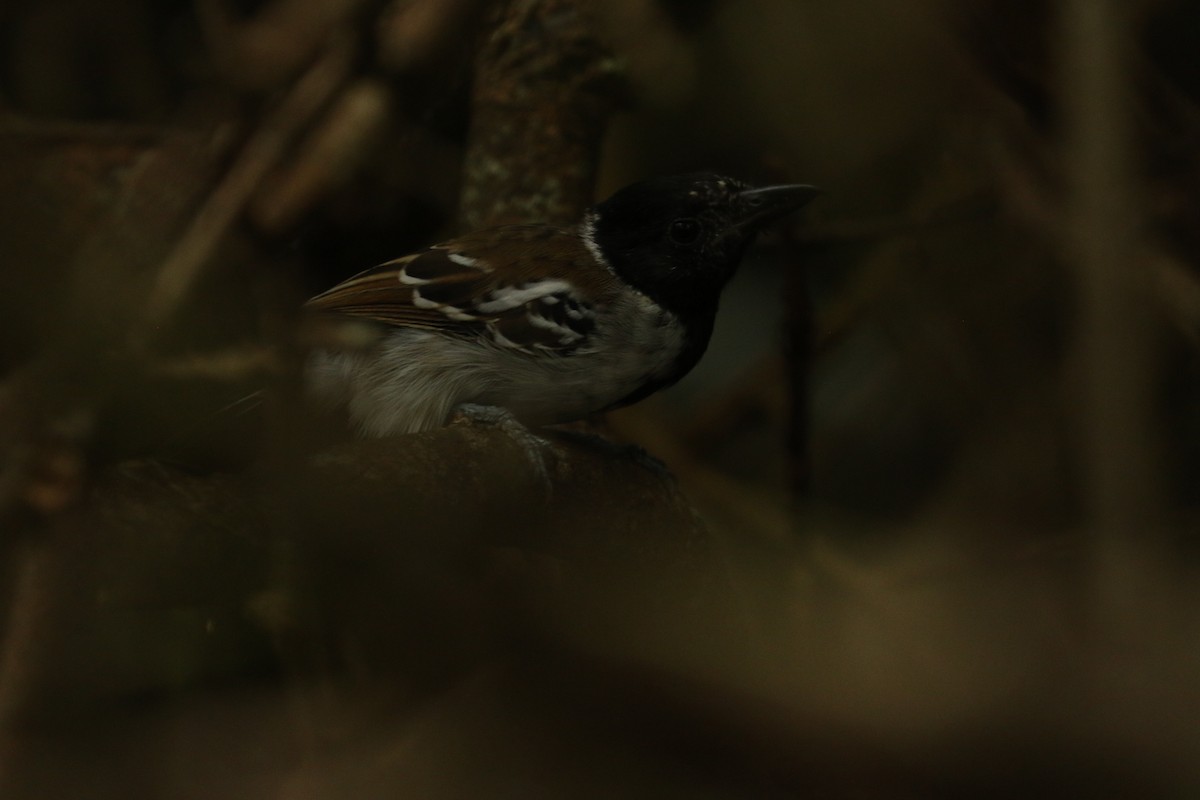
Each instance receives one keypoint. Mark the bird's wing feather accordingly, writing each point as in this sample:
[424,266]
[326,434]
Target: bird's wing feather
[530,287]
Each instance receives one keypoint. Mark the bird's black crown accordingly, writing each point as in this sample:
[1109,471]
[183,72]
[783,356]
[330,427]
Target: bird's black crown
[679,239]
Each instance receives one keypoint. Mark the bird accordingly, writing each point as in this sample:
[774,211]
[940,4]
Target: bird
[539,324]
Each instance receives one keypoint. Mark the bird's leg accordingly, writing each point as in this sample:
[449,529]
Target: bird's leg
[542,454]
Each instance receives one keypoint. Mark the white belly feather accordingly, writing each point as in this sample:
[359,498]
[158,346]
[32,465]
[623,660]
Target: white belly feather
[413,380]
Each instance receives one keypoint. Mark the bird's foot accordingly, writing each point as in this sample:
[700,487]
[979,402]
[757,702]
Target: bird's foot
[542,454]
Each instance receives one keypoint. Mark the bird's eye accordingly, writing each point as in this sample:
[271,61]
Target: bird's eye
[684,231]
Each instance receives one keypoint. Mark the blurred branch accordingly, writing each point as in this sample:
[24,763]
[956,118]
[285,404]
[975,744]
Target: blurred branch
[1114,334]
[49,406]
[753,514]
[225,204]
[1178,288]
[31,594]
[414,32]
[341,142]
[434,538]
[264,51]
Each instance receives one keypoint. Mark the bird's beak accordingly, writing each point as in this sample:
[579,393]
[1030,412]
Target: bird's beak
[769,203]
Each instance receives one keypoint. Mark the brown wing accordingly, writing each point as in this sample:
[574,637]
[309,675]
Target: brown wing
[531,287]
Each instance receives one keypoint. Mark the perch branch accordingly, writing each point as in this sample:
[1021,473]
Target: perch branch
[544,88]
